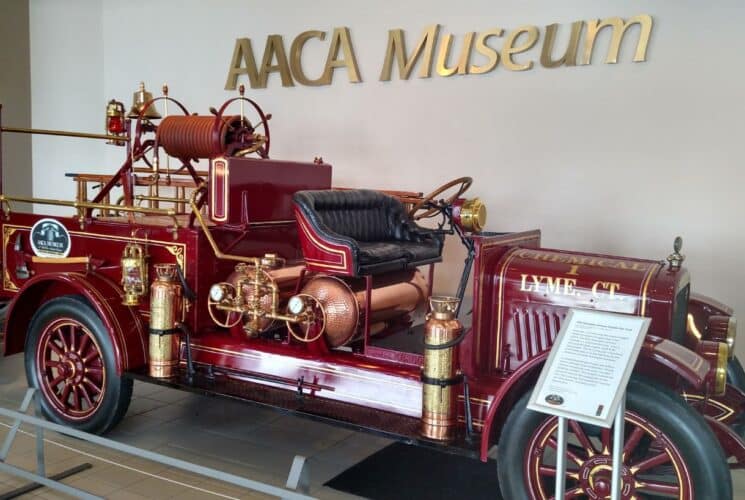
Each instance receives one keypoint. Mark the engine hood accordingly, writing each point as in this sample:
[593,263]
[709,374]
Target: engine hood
[569,279]
[535,287]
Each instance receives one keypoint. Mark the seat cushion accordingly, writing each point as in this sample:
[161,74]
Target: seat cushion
[430,249]
[379,251]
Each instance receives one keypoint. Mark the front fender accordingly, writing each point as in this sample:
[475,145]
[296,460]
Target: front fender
[123,324]
[659,359]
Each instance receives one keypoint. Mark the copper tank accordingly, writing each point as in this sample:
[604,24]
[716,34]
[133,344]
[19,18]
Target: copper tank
[165,307]
[440,374]
[393,295]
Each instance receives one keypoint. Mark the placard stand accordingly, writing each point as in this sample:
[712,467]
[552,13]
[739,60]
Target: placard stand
[561,447]
[585,379]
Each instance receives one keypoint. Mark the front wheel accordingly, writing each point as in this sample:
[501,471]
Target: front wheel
[669,452]
[70,359]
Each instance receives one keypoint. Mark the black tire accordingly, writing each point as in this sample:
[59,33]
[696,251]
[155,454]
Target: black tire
[110,406]
[688,432]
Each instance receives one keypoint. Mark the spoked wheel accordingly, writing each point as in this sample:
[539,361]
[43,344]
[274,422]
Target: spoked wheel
[70,360]
[669,452]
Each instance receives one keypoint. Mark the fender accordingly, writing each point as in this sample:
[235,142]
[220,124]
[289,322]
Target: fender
[658,356]
[123,324]
[731,443]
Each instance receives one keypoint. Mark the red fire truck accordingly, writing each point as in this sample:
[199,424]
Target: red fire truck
[256,279]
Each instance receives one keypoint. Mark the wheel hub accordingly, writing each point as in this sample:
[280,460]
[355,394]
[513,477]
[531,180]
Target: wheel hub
[595,477]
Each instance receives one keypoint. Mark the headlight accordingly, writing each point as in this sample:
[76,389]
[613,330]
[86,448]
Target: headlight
[717,354]
[217,293]
[296,305]
[731,335]
[473,215]
[720,378]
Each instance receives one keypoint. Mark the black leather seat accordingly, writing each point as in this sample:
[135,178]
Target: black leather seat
[373,226]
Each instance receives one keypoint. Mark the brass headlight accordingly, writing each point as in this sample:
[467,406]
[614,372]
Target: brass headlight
[717,354]
[723,329]
[473,215]
[720,378]
[731,335]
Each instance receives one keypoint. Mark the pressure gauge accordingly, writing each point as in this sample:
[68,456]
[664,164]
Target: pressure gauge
[217,293]
[296,305]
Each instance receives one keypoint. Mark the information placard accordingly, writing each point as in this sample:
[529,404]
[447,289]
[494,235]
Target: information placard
[589,366]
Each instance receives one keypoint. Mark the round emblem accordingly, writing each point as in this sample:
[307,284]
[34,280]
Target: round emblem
[554,399]
[49,238]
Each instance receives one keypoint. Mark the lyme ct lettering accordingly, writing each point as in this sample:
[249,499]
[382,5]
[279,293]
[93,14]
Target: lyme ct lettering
[447,54]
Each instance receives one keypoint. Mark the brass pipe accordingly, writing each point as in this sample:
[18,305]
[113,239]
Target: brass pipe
[64,133]
[78,205]
[255,261]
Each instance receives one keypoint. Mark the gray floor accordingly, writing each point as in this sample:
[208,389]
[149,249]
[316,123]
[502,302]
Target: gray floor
[228,436]
[233,437]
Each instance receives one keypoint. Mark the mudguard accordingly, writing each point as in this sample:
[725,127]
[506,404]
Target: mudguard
[658,356]
[128,335]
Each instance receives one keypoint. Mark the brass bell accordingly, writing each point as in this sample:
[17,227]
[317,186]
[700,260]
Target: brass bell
[139,99]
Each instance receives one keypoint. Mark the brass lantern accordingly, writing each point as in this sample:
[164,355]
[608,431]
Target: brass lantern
[115,121]
[134,274]
[139,100]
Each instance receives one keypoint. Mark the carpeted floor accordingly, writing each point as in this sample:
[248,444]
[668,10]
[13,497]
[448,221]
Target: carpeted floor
[403,472]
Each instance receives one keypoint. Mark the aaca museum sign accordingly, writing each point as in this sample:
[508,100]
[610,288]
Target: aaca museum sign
[435,50]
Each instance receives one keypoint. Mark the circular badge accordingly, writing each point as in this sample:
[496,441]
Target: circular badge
[554,399]
[49,238]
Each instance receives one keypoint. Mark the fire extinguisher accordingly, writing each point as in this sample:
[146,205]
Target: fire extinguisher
[165,307]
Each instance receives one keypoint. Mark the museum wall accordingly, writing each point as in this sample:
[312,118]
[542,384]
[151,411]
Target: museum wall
[15,93]
[608,158]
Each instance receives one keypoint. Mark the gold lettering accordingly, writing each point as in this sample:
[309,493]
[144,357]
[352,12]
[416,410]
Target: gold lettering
[341,39]
[509,47]
[553,284]
[296,52]
[465,54]
[242,53]
[537,281]
[612,287]
[275,49]
[570,56]
[484,49]
[619,28]
[574,271]
[397,49]
[569,284]
[524,285]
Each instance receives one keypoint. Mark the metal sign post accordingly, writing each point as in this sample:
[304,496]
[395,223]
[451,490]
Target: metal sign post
[585,380]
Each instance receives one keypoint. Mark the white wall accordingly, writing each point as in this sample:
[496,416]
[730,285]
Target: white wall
[15,94]
[604,158]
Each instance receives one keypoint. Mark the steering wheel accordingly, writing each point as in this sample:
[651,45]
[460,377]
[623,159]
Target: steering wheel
[463,184]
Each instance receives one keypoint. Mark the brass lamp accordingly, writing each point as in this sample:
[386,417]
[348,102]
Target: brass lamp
[134,274]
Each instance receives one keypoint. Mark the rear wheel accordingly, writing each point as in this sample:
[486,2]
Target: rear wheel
[669,452]
[70,360]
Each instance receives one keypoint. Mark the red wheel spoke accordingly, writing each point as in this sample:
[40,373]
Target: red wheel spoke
[86,396]
[72,337]
[650,462]
[570,454]
[55,348]
[582,437]
[632,441]
[92,385]
[574,493]
[61,336]
[65,394]
[57,380]
[83,344]
[90,357]
[655,487]
[76,398]
[605,440]
[547,471]
[94,370]
[52,363]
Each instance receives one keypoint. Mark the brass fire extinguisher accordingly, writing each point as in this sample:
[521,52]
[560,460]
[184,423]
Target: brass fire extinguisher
[440,375]
[165,306]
